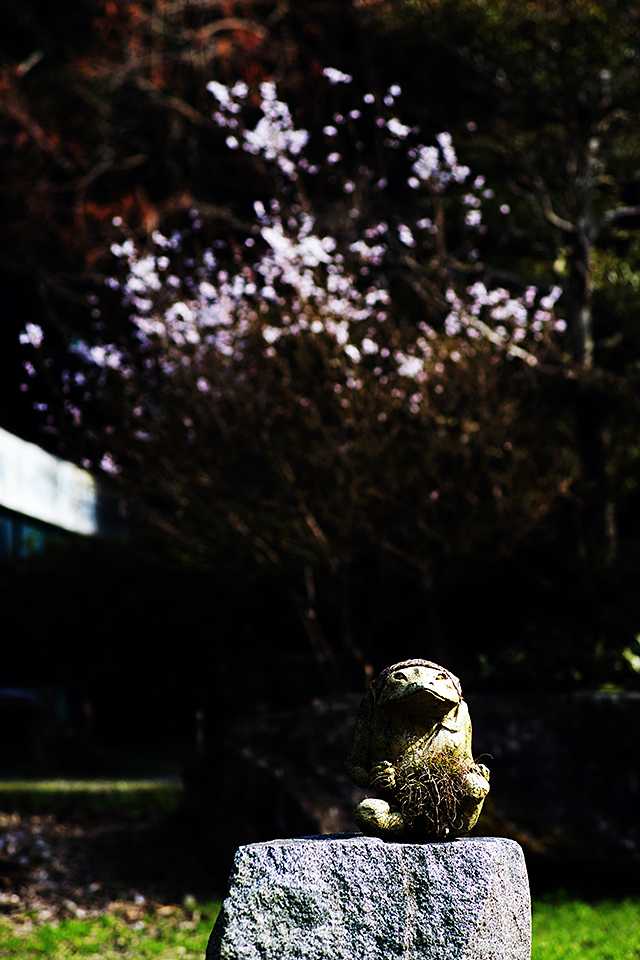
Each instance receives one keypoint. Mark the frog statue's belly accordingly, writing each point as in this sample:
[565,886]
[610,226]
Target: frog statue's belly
[391,740]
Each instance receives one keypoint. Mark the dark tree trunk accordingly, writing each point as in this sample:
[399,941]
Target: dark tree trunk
[597,527]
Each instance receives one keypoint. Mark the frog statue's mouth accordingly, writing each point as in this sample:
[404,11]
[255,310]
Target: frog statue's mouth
[423,690]
[424,702]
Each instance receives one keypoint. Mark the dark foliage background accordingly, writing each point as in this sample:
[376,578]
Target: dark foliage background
[104,113]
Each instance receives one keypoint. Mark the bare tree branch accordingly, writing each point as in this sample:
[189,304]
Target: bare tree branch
[611,216]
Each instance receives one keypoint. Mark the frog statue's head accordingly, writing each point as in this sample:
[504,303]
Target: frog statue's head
[417,688]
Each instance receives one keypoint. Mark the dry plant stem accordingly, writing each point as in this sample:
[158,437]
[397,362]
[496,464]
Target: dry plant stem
[430,797]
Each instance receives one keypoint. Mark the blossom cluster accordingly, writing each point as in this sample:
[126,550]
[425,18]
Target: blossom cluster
[299,273]
[302,278]
[503,320]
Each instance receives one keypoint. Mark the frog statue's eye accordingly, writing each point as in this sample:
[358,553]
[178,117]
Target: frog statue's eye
[442,676]
[402,677]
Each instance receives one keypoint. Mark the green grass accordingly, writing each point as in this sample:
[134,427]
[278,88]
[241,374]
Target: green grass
[120,798]
[563,929]
[170,933]
[8,787]
[569,929]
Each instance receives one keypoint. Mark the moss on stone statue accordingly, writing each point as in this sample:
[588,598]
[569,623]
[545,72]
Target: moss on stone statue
[412,744]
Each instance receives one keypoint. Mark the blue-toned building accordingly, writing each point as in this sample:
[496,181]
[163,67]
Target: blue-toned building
[41,496]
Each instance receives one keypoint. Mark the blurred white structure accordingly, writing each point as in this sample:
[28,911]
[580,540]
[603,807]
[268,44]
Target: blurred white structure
[37,488]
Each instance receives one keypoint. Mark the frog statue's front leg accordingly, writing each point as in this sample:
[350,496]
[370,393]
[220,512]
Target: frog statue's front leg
[381,817]
[476,788]
[378,817]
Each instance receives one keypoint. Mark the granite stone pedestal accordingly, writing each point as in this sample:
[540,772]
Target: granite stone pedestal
[350,897]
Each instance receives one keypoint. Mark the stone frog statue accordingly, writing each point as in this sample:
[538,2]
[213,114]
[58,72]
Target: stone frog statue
[412,744]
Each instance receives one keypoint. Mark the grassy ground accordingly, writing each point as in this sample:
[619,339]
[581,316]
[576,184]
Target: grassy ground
[563,929]
[102,869]
[128,797]
[107,869]
[568,929]
[168,932]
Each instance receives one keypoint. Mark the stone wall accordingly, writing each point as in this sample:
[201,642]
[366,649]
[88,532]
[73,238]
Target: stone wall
[565,777]
[565,772]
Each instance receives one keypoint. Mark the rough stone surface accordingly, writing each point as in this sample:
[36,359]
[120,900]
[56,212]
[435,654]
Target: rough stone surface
[350,897]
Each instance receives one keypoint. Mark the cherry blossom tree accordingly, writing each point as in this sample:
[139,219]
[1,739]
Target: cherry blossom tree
[333,380]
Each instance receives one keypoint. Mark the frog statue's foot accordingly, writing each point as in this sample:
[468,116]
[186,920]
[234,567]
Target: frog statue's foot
[476,787]
[376,818]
